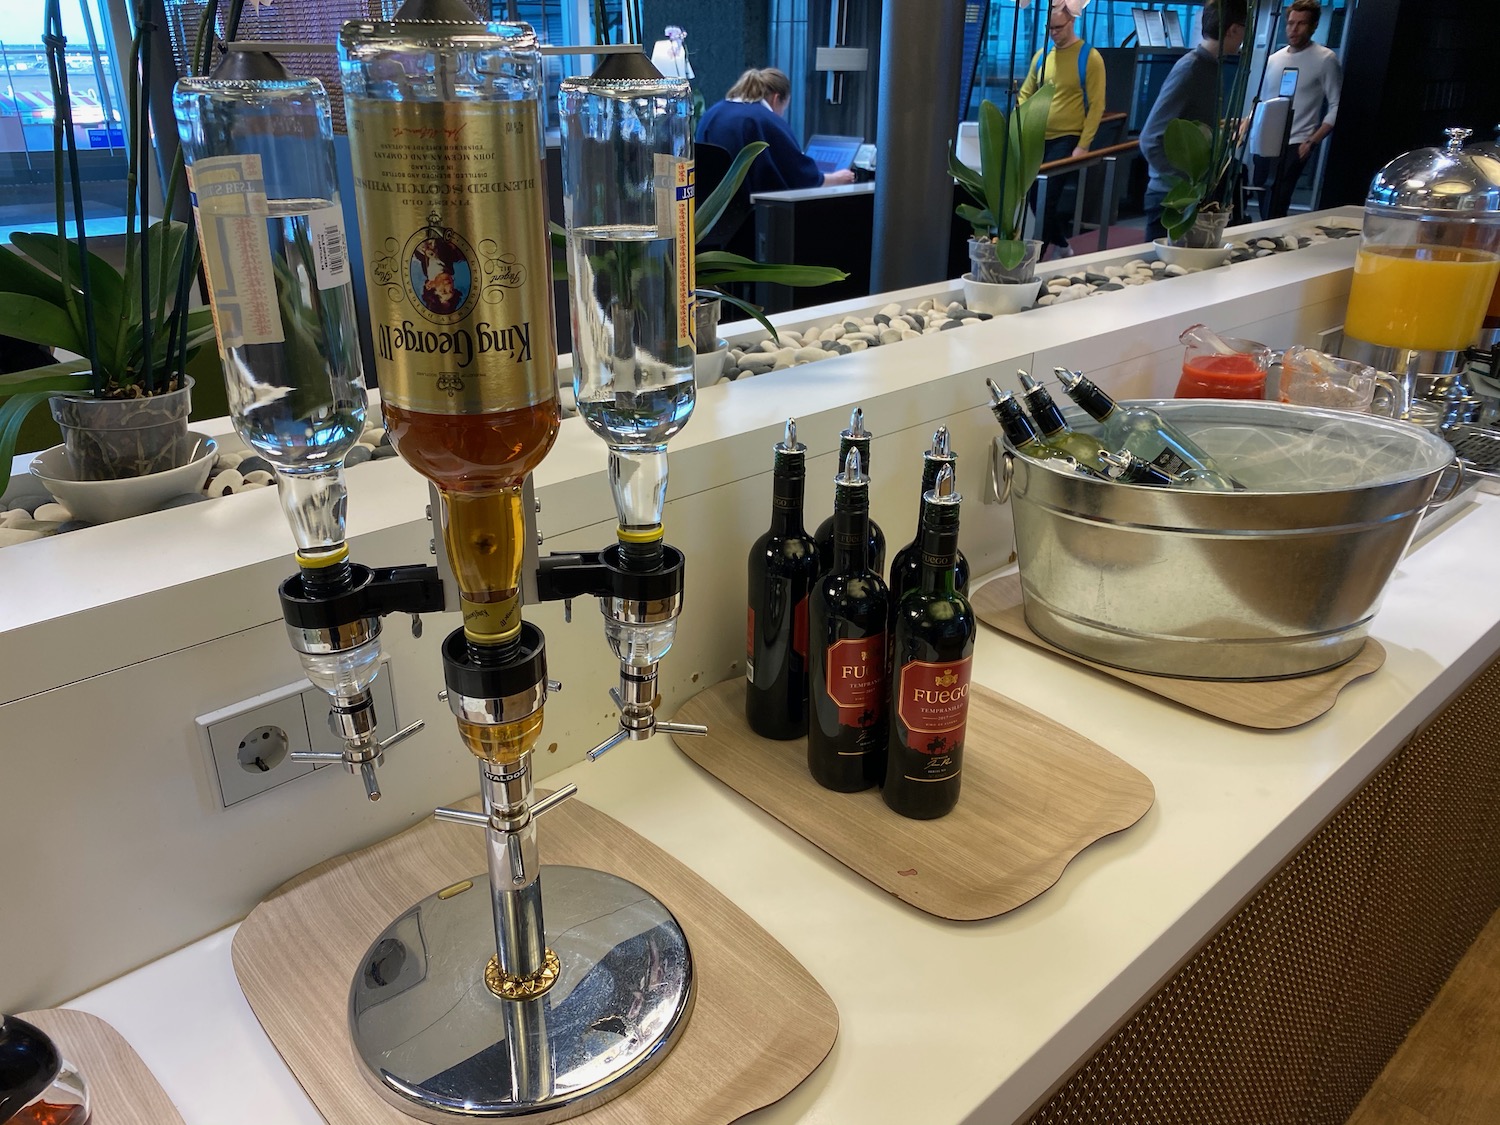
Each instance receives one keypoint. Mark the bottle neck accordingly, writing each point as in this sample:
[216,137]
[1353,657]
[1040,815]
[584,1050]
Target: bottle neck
[931,467]
[939,547]
[787,489]
[846,443]
[1014,424]
[1048,417]
[1094,402]
[851,529]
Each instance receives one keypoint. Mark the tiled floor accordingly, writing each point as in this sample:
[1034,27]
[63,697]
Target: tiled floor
[1448,1070]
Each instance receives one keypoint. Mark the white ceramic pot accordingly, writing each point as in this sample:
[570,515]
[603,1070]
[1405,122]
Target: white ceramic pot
[1191,257]
[103,501]
[709,366]
[999,299]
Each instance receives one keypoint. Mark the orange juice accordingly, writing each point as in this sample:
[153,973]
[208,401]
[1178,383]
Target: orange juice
[1422,297]
[1492,314]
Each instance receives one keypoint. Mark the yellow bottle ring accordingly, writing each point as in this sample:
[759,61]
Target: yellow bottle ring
[651,535]
[323,558]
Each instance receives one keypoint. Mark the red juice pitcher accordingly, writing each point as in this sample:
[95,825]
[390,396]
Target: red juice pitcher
[1215,366]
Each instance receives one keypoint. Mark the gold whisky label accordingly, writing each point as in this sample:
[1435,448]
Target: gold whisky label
[458,268]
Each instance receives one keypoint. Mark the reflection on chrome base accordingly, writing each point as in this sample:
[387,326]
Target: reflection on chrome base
[438,1045]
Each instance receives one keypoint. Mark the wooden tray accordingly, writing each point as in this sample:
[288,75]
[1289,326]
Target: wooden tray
[1264,704]
[121,1090]
[760,1024]
[1035,794]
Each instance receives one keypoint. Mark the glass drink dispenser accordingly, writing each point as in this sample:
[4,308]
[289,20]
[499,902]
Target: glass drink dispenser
[1427,264]
[1486,154]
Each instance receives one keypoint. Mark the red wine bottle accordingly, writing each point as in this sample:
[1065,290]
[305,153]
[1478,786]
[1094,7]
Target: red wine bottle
[855,437]
[933,651]
[783,570]
[906,567]
[847,619]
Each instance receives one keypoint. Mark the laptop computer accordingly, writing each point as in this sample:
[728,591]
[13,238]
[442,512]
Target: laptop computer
[832,153]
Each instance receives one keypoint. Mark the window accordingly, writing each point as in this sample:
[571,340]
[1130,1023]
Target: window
[27,191]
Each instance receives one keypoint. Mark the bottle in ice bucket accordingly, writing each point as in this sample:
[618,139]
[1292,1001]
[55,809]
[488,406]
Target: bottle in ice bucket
[1054,430]
[1142,431]
[1215,366]
[1022,434]
[1126,468]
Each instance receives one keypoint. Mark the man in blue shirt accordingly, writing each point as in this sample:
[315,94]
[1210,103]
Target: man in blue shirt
[1191,92]
[753,110]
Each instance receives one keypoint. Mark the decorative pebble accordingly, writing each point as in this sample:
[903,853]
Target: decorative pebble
[10,535]
[226,483]
[52,513]
[890,336]
[383,452]
[374,435]
[74,525]
[260,478]
[358,455]
[229,461]
[1175,270]
[808,355]
[14,516]
[254,464]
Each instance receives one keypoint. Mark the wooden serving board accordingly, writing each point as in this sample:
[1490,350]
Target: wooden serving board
[760,1024]
[121,1090]
[1034,795]
[1264,704]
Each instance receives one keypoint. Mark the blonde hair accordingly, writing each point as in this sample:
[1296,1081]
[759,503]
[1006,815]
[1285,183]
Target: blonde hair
[758,85]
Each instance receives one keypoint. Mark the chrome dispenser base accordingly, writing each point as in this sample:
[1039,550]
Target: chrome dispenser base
[439,1045]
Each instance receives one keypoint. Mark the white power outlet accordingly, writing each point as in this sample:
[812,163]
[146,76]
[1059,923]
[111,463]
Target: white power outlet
[250,743]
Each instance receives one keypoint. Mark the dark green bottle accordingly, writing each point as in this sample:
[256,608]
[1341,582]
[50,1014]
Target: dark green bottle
[855,437]
[783,569]
[906,567]
[933,653]
[1023,436]
[847,619]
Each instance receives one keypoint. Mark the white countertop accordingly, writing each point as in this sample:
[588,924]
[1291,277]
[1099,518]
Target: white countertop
[1007,1007]
[797,195]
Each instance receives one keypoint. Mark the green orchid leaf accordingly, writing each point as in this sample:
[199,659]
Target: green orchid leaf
[1189,147]
[755,311]
[53,377]
[982,221]
[992,156]
[1028,144]
[971,180]
[40,322]
[13,412]
[1009,252]
[1182,194]
[106,286]
[19,275]
[1178,221]
[707,213]
[715,267]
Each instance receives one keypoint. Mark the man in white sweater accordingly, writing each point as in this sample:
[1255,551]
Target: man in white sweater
[1315,104]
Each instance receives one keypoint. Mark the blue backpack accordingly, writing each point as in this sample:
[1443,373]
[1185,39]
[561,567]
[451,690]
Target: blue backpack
[1083,70]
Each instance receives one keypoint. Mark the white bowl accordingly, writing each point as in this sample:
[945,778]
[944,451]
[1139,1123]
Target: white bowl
[1191,257]
[709,366]
[999,299]
[103,501]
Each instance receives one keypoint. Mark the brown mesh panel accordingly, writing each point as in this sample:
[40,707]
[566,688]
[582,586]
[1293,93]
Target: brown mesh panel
[1289,1013]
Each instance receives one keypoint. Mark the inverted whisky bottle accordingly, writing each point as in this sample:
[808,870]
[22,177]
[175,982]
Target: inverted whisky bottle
[847,621]
[446,142]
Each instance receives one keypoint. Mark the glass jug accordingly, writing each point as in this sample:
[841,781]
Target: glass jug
[1215,366]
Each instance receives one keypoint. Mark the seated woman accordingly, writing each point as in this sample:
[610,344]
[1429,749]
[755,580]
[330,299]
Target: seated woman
[753,110]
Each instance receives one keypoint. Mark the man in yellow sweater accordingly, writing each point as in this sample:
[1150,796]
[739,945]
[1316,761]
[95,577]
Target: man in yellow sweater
[1076,72]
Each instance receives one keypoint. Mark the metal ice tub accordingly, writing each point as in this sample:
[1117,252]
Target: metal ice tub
[1218,585]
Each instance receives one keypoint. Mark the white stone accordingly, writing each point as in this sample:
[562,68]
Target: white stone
[372,435]
[1175,270]
[834,332]
[1113,271]
[926,304]
[788,355]
[1047,299]
[13,517]
[808,355]
[890,336]
[781,365]
[892,310]
[11,535]
[1136,263]
[52,513]
[871,329]
[956,307]
[1080,290]
[769,346]
[856,344]
[229,460]
[258,478]
[226,483]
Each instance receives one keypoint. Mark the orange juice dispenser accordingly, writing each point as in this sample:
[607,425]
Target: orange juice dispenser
[1486,154]
[1427,266]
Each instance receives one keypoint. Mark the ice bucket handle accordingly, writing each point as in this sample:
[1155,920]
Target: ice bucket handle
[1454,490]
[1002,469]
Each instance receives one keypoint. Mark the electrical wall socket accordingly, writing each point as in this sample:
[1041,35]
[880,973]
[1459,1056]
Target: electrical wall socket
[250,743]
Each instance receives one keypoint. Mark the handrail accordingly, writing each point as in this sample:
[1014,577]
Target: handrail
[1108,156]
[1093,156]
